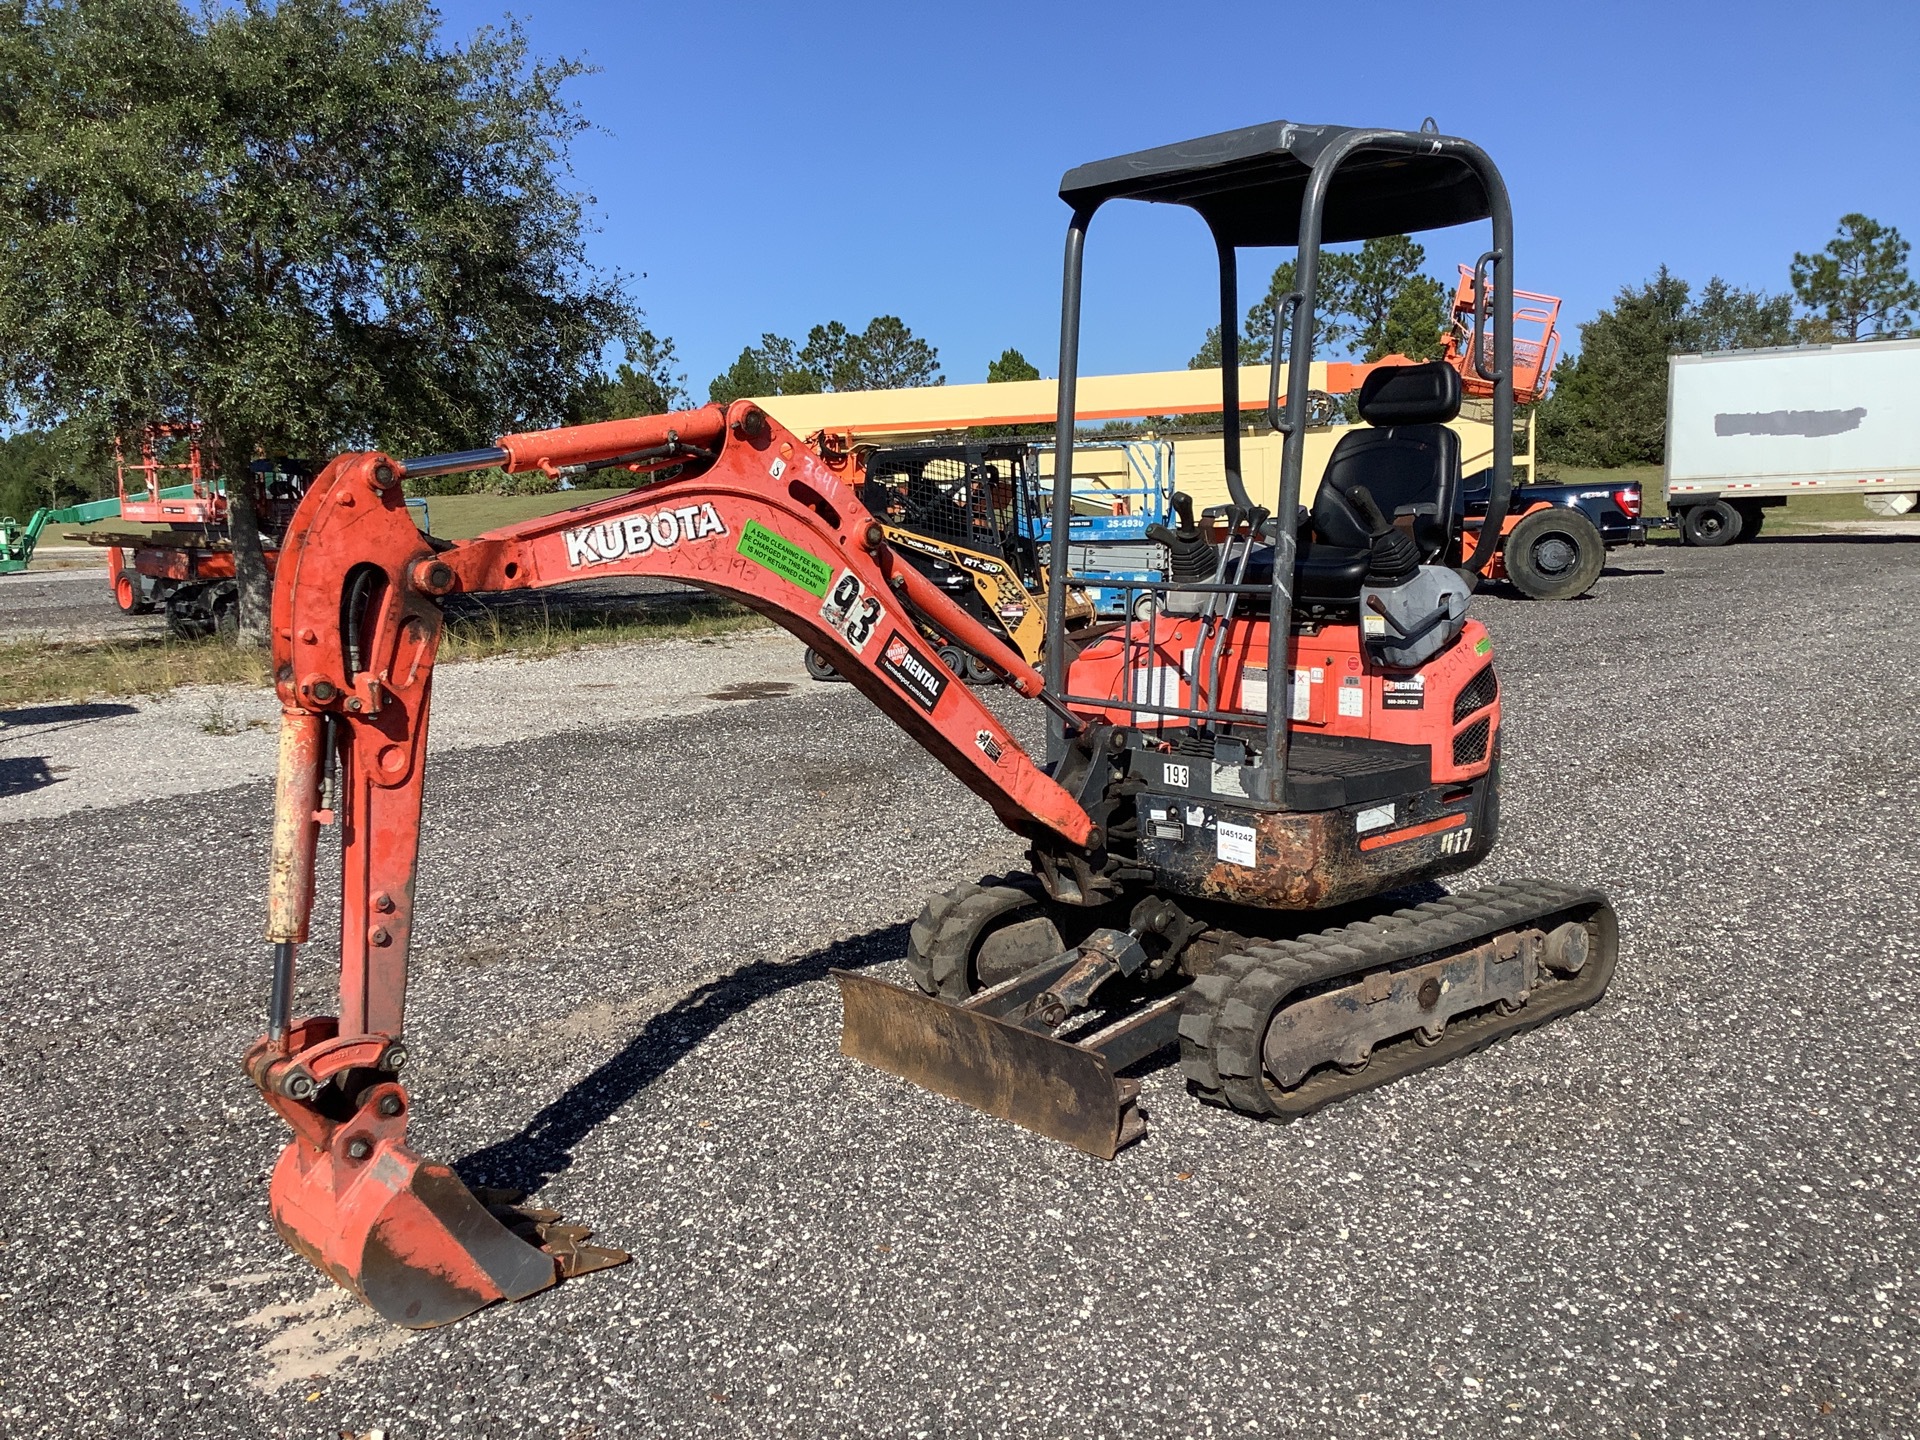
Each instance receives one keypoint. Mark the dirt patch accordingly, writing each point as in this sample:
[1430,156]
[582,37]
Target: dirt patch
[313,1338]
[752,690]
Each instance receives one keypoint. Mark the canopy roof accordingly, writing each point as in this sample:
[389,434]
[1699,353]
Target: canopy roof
[1247,184]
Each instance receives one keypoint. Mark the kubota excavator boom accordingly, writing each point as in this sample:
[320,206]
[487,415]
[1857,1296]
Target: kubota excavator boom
[740,507]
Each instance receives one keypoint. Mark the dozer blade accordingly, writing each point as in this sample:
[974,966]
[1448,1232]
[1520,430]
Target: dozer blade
[1063,1091]
[402,1233]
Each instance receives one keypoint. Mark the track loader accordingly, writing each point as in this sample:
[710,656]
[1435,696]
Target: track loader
[1304,719]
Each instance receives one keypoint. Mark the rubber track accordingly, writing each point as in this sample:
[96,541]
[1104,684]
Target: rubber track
[941,943]
[1227,1012]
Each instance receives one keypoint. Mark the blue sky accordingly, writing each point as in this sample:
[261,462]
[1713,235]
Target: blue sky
[772,166]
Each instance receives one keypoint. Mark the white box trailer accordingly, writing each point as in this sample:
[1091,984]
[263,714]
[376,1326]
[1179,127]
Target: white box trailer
[1749,429]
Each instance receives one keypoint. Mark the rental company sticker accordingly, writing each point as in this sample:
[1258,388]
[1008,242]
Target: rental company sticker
[923,679]
[1234,843]
[1407,694]
[784,558]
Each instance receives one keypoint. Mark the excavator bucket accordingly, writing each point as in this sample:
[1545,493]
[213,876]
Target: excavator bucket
[403,1234]
[979,1054]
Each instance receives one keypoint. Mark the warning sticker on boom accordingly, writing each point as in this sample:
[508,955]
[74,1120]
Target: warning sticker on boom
[784,558]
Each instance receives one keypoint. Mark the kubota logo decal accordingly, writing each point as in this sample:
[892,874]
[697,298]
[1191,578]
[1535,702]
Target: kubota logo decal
[613,540]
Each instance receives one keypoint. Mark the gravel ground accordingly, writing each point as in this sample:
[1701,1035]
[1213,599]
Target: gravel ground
[55,759]
[1687,1212]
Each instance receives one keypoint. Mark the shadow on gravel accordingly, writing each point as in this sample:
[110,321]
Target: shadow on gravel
[31,716]
[24,775]
[544,1147]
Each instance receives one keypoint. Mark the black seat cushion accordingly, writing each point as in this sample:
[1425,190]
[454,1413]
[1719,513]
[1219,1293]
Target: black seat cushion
[1411,470]
[1320,572]
[1330,572]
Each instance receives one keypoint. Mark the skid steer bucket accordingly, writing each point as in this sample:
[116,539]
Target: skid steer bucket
[978,1053]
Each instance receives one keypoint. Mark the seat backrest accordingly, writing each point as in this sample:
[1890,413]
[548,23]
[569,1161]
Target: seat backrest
[1405,456]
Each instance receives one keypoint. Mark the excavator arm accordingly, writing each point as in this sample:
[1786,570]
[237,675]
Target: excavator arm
[727,501]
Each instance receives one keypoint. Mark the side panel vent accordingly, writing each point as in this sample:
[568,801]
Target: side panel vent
[1476,694]
[1470,745]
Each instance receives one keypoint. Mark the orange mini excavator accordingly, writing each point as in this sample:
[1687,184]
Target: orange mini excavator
[1304,717]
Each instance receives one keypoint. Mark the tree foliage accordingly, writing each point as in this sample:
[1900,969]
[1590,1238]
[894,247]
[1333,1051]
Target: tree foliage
[50,469]
[1011,365]
[1726,317]
[1608,405]
[1858,287]
[307,224]
[1371,302]
[884,356]
[645,383]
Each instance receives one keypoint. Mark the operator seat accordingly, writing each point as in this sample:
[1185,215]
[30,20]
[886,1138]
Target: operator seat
[1406,458]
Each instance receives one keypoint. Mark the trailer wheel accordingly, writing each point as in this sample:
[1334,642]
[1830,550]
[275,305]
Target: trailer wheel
[1554,554]
[979,672]
[1714,523]
[1752,518]
[819,667]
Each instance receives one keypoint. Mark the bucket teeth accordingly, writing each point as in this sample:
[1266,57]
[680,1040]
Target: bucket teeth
[567,1244]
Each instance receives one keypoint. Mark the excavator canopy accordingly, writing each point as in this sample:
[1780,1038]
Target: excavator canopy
[1247,184]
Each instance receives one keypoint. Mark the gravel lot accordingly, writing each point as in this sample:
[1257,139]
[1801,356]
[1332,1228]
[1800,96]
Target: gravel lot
[1686,1212]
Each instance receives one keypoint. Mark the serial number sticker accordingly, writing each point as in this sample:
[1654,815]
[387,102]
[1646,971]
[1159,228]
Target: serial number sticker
[1235,844]
[852,611]
[1376,817]
[784,558]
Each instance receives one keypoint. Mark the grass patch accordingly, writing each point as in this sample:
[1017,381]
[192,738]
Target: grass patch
[541,633]
[454,517]
[461,517]
[34,672]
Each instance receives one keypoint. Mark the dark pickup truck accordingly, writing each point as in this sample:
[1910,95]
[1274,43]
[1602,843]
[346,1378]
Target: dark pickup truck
[1557,536]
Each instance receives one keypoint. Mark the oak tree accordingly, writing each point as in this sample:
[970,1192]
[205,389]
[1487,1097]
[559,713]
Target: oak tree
[305,224]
